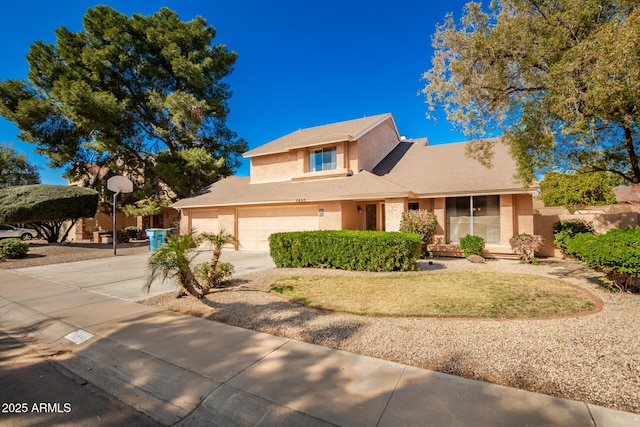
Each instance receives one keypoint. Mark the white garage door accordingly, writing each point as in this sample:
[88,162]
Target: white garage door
[256,224]
[205,220]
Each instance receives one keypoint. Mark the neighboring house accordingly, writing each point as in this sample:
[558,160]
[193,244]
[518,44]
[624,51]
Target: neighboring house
[628,195]
[91,229]
[361,175]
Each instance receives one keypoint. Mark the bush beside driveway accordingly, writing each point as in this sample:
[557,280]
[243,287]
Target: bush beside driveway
[43,253]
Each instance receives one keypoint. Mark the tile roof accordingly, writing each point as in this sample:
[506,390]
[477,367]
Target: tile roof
[349,130]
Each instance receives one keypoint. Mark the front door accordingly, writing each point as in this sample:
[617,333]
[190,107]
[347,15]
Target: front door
[371,218]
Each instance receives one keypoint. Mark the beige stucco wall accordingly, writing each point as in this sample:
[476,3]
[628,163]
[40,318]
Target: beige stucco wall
[351,218]
[375,145]
[185,220]
[393,213]
[524,213]
[543,226]
[351,155]
[507,219]
[295,165]
[439,209]
[274,167]
[332,219]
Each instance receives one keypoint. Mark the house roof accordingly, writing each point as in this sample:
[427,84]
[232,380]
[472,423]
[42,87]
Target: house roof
[239,191]
[350,130]
[445,170]
[627,194]
[412,169]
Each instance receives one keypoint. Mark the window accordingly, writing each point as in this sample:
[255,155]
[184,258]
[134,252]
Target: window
[476,215]
[413,206]
[323,159]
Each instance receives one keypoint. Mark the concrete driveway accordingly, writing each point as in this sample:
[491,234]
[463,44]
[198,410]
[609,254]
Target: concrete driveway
[123,277]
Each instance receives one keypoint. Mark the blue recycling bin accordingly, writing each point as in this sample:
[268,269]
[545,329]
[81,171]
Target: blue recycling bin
[157,237]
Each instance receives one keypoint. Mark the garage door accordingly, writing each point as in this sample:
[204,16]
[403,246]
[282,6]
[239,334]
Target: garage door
[205,220]
[256,224]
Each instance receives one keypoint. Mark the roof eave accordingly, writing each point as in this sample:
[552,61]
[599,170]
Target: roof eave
[376,123]
[297,147]
[504,191]
[353,197]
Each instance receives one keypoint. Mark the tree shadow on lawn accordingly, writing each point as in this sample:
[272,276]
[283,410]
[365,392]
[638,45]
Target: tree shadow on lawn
[571,269]
[282,318]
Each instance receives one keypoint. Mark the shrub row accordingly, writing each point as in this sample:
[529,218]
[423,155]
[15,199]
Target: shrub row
[564,230]
[615,253]
[346,249]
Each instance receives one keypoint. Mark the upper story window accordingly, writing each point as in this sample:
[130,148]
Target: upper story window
[323,159]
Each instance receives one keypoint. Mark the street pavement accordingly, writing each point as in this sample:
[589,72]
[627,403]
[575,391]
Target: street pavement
[181,370]
[38,391]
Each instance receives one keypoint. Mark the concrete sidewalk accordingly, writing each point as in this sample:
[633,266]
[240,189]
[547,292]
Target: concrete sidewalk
[182,370]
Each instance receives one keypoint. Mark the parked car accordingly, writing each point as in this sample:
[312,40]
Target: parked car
[9,231]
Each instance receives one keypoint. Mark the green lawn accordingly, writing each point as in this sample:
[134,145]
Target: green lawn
[480,295]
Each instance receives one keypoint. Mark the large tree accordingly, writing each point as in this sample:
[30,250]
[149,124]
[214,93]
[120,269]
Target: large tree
[15,169]
[559,78]
[126,92]
[51,209]
[575,190]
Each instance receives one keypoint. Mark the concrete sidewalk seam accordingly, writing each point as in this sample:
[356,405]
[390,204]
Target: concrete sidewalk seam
[404,369]
[88,288]
[593,420]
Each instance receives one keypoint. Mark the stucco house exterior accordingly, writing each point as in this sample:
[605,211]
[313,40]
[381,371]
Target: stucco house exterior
[361,175]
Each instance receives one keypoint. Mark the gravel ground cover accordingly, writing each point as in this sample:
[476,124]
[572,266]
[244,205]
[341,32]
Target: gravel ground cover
[593,358]
[43,253]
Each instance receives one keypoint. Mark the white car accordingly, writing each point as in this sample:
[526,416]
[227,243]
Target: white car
[9,231]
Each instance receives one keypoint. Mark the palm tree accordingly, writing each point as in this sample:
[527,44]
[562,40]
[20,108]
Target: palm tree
[217,240]
[172,259]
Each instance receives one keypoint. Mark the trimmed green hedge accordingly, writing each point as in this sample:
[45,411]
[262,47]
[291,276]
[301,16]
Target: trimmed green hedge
[615,253]
[346,249]
[35,203]
[564,230]
[13,248]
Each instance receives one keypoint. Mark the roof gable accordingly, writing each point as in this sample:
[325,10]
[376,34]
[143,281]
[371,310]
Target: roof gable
[349,130]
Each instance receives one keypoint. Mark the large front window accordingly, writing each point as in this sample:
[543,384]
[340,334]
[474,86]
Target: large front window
[476,215]
[323,159]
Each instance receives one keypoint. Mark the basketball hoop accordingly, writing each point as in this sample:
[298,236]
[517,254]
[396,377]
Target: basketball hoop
[118,184]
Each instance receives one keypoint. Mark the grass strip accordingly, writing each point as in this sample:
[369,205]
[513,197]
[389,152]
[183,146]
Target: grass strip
[468,295]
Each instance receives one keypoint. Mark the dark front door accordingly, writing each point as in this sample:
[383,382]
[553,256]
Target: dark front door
[371,219]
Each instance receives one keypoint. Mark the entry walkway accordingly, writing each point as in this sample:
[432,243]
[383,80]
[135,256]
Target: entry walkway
[182,370]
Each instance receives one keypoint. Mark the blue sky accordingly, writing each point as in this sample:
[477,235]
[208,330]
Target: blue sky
[300,63]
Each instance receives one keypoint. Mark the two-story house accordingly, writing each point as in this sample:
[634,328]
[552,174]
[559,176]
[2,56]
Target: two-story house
[361,175]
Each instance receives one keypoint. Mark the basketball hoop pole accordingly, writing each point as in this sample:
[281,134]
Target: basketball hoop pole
[115,230]
[117,184]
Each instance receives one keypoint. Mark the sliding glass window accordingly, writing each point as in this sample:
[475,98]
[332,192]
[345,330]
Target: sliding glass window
[476,215]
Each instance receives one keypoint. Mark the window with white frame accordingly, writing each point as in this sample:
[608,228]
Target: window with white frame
[323,159]
[475,215]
